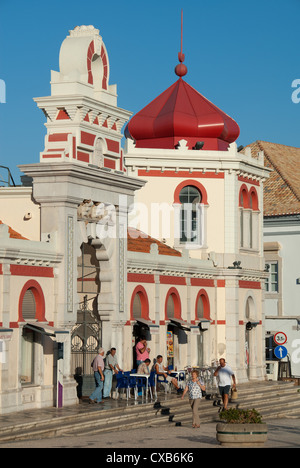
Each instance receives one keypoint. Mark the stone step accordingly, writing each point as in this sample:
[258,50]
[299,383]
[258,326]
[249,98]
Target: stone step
[276,399]
[181,412]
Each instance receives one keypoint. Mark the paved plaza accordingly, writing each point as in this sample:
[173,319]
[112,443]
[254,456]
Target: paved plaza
[282,433]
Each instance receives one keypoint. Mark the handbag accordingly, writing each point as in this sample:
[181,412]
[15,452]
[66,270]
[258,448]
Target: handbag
[234,394]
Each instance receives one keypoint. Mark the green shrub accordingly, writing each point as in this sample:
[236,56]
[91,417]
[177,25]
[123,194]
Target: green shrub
[237,415]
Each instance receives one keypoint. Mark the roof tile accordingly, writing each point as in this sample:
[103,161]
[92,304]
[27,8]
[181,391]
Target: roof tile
[14,234]
[282,189]
[138,241]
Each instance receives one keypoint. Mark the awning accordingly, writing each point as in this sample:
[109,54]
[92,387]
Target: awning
[202,323]
[146,322]
[181,324]
[47,330]
[5,334]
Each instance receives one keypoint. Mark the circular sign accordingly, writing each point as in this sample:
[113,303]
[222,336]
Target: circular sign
[280,338]
[280,352]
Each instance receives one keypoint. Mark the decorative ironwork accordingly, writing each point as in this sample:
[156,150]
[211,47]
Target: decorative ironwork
[86,338]
[6,178]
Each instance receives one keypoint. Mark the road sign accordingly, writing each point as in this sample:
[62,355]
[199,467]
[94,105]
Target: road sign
[280,352]
[280,338]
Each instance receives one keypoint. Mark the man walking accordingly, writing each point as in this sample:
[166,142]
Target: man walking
[111,368]
[98,367]
[224,373]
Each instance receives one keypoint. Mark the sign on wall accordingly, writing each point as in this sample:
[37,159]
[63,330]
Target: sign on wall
[170,344]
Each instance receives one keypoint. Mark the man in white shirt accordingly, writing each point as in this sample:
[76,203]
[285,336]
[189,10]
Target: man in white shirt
[163,374]
[111,368]
[224,373]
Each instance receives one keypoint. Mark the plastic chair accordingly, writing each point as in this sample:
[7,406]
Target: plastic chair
[163,380]
[180,376]
[152,384]
[141,385]
[122,383]
[131,384]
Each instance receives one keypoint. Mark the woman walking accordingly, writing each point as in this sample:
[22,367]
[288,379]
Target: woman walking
[195,388]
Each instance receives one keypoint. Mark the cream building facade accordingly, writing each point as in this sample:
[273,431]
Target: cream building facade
[74,275]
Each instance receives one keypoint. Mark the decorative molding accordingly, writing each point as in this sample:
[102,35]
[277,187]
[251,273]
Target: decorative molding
[70,263]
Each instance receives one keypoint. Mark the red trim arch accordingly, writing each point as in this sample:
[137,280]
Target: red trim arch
[177,303]
[39,300]
[206,305]
[103,56]
[244,197]
[250,198]
[141,291]
[194,183]
[253,199]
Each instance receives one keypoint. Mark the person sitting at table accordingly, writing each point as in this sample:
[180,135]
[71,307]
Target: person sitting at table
[163,374]
[144,367]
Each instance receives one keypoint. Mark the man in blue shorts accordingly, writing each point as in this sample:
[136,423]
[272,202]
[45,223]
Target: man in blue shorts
[224,373]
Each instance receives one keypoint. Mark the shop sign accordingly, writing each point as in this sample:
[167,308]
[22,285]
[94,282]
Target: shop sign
[170,344]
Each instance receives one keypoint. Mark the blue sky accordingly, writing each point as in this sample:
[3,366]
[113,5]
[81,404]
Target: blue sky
[241,55]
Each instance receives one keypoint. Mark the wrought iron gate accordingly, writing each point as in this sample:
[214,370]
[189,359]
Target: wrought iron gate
[86,340]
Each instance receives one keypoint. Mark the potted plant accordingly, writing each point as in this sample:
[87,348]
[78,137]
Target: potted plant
[241,427]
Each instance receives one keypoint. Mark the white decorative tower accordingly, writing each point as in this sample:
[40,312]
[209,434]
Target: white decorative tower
[78,181]
[83,121]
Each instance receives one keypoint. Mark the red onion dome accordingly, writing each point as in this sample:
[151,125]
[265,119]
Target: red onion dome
[180,112]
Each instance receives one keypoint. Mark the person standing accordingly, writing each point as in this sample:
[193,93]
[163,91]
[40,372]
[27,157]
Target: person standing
[142,351]
[195,388]
[224,373]
[98,368]
[111,368]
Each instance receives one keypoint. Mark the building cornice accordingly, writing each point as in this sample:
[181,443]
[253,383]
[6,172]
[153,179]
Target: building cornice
[76,175]
[183,159]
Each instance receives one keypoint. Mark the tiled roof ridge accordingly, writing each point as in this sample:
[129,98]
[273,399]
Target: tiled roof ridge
[276,167]
[272,143]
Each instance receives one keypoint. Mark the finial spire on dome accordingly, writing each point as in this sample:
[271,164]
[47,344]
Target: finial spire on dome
[181,69]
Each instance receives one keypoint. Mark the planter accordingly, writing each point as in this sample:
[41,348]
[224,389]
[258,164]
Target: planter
[242,435]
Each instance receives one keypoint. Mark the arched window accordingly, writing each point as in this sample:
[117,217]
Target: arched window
[253,199]
[98,155]
[248,203]
[173,305]
[243,203]
[190,198]
[202,306]
[28,306]
[139,304]
[32,303]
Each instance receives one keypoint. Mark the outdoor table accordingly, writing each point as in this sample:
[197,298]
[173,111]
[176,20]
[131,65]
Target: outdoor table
[144,376]
[177,375]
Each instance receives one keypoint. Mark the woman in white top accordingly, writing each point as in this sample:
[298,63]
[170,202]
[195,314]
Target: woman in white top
[195,388]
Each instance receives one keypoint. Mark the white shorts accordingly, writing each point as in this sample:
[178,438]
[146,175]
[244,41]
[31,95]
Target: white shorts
[161,378]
